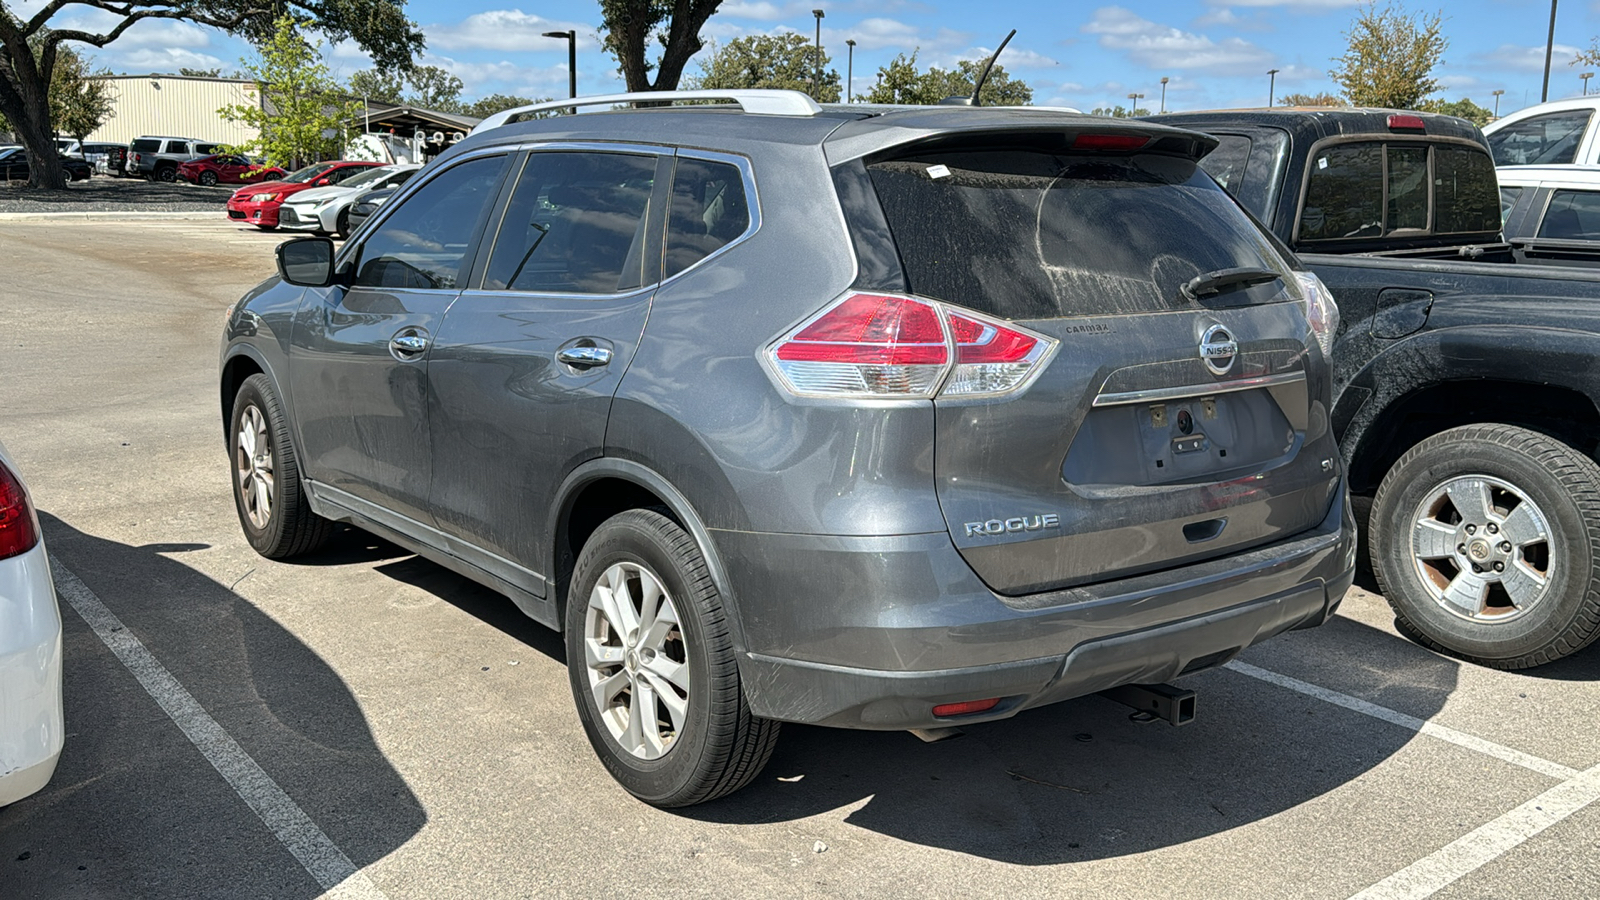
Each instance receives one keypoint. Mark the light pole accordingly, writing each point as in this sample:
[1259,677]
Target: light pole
[849,69]
[816,84]
[1497,101]
[572,59]
[1585,79]
[1272,86]
[1549,46]
[1135,110]
[1164,80]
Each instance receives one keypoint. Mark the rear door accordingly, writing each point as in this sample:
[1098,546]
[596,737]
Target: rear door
[1168,428]
[525,365]
[359,363]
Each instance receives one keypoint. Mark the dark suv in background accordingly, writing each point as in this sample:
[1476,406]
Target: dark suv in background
[863,417]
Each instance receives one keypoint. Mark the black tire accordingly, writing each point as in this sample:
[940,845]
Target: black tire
[341,227]
[287,527]
[720,746]
[208,178]
[167,174]
[1520,466]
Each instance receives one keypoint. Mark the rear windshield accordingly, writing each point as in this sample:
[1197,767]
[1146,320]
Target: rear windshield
[1029,235]
[144,146]
[1359,190]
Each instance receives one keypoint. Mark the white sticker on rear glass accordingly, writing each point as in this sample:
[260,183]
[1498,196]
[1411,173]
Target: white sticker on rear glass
[1322,163]
[938,171]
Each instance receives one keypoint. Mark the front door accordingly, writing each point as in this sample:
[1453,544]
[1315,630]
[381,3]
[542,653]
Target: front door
[524,369]
[360,357]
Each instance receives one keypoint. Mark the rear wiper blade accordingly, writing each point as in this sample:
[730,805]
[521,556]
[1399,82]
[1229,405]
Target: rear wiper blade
[1218,281]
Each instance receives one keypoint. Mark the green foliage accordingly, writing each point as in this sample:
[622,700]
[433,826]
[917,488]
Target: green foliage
[902,82]
[786,62]
[1463,108]
[630,26]
[1119,112]
[434,88]
[1320,99]
[378,85]
[303,113]
[200,73]
[488,106]
[1391,58]
[80,101]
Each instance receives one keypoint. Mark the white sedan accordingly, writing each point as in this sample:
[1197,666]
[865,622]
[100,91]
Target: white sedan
[31,730]
[327,209]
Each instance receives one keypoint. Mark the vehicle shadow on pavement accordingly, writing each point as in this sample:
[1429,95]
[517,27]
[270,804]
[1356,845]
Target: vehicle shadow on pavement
[134,808]
[1079,780]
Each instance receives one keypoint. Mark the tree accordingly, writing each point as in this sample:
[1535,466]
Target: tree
[675,24]
[80,100]
[1119,112]
[902,82]
[1321,99]
[488,106]
[303,114]
[1391,58]
[200,73]
[29,47]
[786,61]
[376,84]
[1463,108]
[434,88]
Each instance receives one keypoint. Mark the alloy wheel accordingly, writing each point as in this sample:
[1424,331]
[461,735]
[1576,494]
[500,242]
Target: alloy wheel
[636,659]
[253,467]
[1481,548]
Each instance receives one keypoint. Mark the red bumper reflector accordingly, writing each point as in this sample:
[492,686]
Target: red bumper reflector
[965,708]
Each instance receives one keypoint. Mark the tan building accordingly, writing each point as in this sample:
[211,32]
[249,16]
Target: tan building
[176,106]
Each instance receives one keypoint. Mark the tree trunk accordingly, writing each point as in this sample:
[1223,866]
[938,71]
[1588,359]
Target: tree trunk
[25,102]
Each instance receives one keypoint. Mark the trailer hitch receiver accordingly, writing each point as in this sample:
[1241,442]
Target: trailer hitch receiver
[1169,704]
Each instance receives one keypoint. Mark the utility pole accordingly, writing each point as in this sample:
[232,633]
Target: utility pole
[1549,47]
[571,38]
[1135,104]
[816,84]
[849,69]
[1272,86]
[1164,80]
[1585,79]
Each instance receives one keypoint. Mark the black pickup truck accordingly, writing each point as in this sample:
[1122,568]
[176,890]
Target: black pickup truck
[1465,381]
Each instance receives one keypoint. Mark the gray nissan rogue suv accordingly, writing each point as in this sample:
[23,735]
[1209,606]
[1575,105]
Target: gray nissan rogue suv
[887,418]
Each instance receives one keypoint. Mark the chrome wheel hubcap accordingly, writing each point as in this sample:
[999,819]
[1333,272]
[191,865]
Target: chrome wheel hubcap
[1481,548]
[253,466]
[636,660]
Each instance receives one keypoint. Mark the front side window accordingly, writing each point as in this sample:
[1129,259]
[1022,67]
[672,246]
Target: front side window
[576,225]
[709,211]
[1551,139]
[1572,215]
[423,244]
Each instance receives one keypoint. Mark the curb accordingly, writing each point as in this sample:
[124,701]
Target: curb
[92,215]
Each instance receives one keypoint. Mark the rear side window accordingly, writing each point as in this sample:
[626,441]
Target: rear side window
[207,149]
[709,211]
[177,147]
[146,146]
[423,244]
[1369,190]
[1549,139]
[1572,215]
[575,225]
[1030,235]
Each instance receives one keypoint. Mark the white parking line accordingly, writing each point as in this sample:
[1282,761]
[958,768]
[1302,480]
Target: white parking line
[1440,732]
[1487,842]
[322,859]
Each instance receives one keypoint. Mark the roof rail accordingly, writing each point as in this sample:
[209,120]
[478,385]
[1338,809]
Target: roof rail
[755,102]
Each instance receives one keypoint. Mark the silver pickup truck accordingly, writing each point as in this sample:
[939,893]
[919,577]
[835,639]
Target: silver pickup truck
[157,158]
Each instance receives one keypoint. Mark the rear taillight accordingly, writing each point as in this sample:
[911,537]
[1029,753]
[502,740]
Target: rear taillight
[1321,310]
[19,531]
[885,346]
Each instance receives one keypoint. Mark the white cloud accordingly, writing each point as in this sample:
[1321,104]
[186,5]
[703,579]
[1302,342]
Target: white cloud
[1526,59]
[168,60]
[1162,46]
[1299,4]
[163,34]
[1012,58]
[764,12]
[507,29]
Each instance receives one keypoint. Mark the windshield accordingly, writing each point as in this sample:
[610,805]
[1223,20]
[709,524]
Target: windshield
[309,173]
[367,177]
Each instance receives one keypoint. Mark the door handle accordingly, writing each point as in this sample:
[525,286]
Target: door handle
[408,344]
[584,357]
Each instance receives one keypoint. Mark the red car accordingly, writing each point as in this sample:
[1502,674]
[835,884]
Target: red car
[258,204]
[227,168]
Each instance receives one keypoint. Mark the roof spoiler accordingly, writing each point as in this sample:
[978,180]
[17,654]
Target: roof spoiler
[755,102]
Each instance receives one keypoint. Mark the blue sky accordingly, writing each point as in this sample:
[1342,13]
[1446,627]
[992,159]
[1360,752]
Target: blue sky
[1216,53]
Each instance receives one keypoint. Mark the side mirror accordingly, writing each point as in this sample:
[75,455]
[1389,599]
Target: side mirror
[323,182]
[306,262]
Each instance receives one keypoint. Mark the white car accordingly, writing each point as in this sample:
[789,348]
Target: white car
[1561,132]
[327,209]
[31,729]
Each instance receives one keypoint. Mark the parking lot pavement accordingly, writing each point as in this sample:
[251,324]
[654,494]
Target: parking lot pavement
[364,723]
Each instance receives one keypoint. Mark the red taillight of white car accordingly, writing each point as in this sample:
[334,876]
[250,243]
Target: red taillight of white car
[19,532]
[888,346]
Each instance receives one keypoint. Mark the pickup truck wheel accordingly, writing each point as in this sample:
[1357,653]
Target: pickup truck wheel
[167,174]
[1486,542]
[652,666]
[272,505]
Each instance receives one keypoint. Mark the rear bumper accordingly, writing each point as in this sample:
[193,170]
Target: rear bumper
[874,632]
[31,726]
